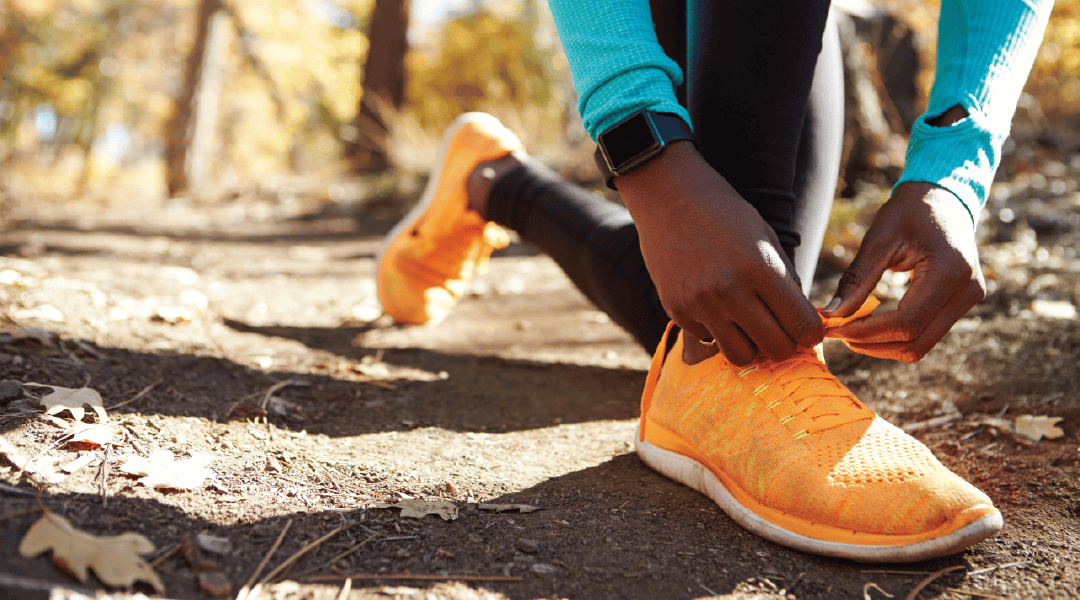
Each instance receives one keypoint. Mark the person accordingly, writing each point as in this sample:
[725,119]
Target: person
[700,111]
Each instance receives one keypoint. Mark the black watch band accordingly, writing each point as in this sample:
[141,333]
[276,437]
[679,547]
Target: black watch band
[636,140]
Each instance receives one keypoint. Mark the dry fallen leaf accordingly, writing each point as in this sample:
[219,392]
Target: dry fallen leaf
[417,509]
[72,400]
[1036,428]
[92,435]
[79,463]
[525,508]
[115,558]
[42,467]
[162,470]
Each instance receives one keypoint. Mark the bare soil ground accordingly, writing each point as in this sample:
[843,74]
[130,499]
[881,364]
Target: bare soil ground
[526,394]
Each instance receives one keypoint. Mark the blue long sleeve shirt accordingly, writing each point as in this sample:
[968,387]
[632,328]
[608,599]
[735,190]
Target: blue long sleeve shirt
[985,50]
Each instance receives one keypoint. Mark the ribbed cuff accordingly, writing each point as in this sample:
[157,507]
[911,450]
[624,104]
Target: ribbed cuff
[961,158]
[626,93]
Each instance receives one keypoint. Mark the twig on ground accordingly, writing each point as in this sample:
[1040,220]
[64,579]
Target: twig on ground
[134,440]
[977,594]
[157,561]
[105,477]
[707,590]
[276,387]
[270,553]
[417,577]
[21,513]
[26,583]
[136,397]
[343,554]
[1022,563]
[288,562]
[925,582]
[868,586]
[330,476]
[894,572]
[345,588]
[382,384]
[16,491]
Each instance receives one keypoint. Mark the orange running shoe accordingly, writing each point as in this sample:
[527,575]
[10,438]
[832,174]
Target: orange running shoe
[790,454]
[429,257]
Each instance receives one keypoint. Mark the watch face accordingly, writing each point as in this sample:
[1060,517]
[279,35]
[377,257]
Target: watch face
[628,140]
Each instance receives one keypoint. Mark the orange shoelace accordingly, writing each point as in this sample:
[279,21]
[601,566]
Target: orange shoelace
[815,393]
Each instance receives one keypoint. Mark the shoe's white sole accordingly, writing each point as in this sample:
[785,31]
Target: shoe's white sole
[690,472]
[410,219]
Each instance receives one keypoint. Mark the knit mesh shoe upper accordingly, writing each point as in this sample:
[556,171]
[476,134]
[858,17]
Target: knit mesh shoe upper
[803,461]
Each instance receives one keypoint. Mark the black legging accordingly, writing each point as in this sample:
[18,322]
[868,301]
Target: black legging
[750,78]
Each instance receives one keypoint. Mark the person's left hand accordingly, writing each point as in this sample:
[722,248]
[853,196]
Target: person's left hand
[924,229]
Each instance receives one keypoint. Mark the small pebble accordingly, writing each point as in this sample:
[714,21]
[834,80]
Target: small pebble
[9,390]
[527,546]
[215,584]
[544,569]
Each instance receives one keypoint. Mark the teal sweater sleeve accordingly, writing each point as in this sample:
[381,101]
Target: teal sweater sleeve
[616,61]
[985,50]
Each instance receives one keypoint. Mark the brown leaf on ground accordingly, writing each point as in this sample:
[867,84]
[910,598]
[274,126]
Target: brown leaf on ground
[417,509]
[1036,428]
[524,508]
[162,470]
[42,467]
[87,435]
[72,400]
[115,559]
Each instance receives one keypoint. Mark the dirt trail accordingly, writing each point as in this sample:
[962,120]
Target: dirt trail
[526,394]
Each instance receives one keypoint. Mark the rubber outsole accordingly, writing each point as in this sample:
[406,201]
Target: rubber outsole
[691,473]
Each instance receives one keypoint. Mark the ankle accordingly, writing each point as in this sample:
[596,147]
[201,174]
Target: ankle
[482,179]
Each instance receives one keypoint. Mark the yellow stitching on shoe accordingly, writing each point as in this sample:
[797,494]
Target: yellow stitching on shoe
[787,419]
[761,388]
[748,370]
[773,404]
[800,435]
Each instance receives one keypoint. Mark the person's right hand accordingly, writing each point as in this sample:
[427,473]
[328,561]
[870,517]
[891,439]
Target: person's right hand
[717,265]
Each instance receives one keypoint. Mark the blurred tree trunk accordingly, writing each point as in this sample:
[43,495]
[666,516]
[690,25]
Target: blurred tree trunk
[881,68]
[189,146]
[383,87]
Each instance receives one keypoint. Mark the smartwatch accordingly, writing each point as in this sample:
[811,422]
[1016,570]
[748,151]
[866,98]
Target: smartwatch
[636,140]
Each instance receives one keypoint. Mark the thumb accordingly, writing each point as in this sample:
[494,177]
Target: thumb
[856,284]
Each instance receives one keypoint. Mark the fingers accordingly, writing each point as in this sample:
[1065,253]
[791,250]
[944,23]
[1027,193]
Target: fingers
[734,345]
[859,280]
[913,350]
[795,316]
[918,324]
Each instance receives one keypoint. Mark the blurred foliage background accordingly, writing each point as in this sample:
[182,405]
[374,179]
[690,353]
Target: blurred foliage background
[92,89]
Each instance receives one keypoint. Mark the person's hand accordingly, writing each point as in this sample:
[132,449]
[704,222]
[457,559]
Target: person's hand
[717,265]
[924,229]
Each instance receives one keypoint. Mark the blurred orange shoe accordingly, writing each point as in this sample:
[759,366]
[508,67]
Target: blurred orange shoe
[428,259]
[790,454]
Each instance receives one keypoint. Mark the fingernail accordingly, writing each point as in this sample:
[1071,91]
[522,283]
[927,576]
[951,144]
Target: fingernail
[832,305]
